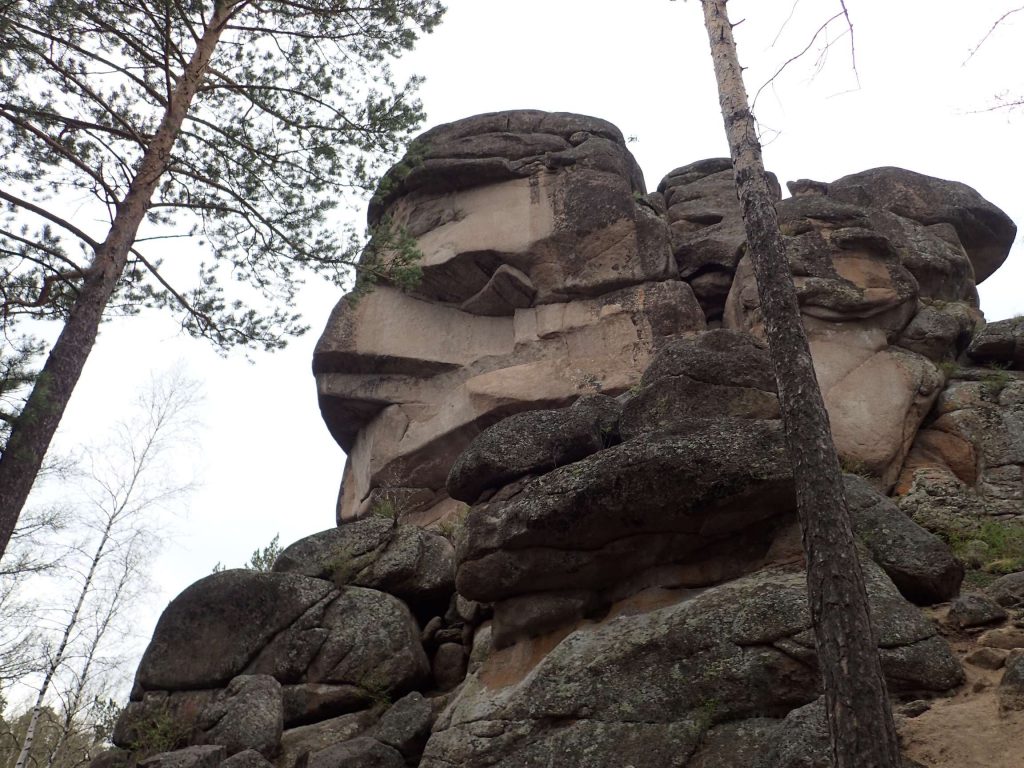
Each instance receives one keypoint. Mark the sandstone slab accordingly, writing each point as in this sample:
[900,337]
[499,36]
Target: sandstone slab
[551,197]
[706,223]
[404,426]
[1000,343]
[360,752]
[209,756]
[533,443]
[360,638]
[715,373]
[298,743]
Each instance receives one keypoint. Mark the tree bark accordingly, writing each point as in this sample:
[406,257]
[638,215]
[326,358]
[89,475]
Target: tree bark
[857,703]
[34,429]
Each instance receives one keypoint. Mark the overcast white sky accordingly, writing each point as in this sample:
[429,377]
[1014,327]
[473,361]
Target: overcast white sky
[267,463]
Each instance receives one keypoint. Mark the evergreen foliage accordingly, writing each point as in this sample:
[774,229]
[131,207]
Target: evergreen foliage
[297,110]
[237,126]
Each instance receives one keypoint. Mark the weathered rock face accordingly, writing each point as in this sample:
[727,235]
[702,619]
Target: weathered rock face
[408,562]
[1000,344]
[330,649]
[546,276]
[968,462]
[642,689]
[984,231]
[884,298]
[919,563]
[706,226]
[550,195]
[626,585]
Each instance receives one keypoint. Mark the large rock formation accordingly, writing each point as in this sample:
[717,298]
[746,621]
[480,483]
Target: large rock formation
[567,529]
[546,276]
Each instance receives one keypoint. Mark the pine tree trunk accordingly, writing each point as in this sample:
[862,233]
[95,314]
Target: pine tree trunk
[859,713]
[34,429]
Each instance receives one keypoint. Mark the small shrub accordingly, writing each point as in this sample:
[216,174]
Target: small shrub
[377,692]
[263,559]
[385,508]
[852,466]
[343,566]
[454,526]
[160,731]
[990,549]
[996,379]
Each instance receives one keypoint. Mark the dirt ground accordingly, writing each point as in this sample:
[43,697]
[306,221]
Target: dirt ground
[965,730]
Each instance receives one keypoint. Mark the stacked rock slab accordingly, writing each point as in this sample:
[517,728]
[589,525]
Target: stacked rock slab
[628,590]
[706,227]
[967,462]
[546,275]
[884,264]
[604,566]
[648,591]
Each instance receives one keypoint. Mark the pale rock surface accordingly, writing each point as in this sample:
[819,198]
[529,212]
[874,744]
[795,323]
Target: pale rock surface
[858,298]
[404,430]
[551,195]
[547,275]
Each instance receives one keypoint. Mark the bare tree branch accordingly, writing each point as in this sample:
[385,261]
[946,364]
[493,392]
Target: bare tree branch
[992,29]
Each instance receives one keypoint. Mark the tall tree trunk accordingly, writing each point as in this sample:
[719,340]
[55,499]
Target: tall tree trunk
[859,713]
[34,429]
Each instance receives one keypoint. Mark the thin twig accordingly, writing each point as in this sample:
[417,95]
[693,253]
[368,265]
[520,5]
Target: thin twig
[992,29]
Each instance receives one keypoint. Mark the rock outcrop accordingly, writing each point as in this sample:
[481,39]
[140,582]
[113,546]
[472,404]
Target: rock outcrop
[546,275]
[567,530]
[967,463]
